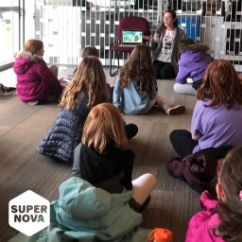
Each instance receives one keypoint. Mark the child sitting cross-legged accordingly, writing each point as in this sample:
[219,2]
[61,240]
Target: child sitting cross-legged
[193,63]
[104,159]
[87,89]
[100,202]
[135,88]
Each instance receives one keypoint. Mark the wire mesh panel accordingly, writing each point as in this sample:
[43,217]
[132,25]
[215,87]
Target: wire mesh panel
[222,30]
[67,26]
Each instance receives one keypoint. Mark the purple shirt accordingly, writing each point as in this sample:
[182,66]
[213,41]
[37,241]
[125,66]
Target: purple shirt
[216,126]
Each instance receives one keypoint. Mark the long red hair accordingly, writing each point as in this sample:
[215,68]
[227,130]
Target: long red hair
[221,85]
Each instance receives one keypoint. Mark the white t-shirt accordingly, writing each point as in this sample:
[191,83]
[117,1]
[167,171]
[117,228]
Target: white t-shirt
[167,46]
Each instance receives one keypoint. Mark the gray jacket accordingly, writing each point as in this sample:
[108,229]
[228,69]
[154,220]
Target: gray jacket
[156,47]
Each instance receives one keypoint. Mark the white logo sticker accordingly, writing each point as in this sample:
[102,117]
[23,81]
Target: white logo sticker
[29,213]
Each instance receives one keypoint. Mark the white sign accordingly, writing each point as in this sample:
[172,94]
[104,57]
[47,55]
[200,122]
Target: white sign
[29,213]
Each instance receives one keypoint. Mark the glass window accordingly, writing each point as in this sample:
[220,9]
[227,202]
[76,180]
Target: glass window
[9,30]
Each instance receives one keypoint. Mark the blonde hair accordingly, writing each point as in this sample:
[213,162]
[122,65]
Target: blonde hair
[104,125]
[33,46]
[90,78]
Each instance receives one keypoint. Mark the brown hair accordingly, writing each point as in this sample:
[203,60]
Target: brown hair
[88,51]
[89,77]
[230,210]
[184,43]
[138,66]
[221,85]
[33,46]
[103,125]
[162,28]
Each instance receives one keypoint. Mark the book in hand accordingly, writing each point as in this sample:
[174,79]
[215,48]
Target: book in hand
[64,81]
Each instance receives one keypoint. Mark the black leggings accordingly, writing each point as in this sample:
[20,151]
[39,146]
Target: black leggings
[183,144]
[164,70]
[130,130]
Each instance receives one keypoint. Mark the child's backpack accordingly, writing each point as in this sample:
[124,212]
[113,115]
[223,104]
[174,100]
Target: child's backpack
[198,170]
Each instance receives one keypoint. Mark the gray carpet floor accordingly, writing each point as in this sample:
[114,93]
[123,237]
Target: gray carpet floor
[22,168]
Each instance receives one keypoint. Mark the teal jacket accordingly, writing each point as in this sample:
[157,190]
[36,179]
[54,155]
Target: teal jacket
[86,213]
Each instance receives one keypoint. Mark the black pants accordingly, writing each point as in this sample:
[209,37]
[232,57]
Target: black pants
[110,90]
[183,144]
[164,70]
[197,84]
[130,130]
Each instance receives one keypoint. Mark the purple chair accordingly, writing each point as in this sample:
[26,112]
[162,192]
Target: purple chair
[131,22]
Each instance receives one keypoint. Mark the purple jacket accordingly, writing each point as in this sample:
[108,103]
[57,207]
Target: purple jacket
[200,226]
[35,81]
[193,62]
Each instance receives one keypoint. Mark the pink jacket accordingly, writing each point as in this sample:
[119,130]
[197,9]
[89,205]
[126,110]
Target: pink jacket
[199,227]
[35,81]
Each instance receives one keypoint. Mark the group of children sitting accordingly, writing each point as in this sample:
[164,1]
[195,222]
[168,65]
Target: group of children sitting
[90,134]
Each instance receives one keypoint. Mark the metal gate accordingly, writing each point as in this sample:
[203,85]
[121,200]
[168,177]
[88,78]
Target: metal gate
[67,26]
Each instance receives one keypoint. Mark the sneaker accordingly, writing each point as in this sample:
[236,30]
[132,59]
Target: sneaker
[33,103]
[176,110]
[6,90]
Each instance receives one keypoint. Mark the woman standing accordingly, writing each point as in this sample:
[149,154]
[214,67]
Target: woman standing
[165,45]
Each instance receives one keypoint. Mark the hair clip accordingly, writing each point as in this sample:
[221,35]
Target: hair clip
[240,195]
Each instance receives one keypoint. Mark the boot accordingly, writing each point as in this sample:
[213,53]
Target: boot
[168,109]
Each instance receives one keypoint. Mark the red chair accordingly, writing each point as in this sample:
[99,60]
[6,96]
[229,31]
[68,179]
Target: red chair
[131,22]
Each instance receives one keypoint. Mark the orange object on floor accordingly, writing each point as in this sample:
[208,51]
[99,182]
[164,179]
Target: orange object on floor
[160,235]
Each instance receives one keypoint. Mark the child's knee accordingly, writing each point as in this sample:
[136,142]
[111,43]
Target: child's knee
[151,178]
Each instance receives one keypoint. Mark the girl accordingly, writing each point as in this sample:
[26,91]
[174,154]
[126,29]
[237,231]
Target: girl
[217,116]
[87,89]
[35,81]
[221,221]
[135,88]
[87,51]
[193,63]
[165,45]
[103,158]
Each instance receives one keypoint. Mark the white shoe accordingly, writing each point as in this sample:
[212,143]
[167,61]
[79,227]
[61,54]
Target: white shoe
[33,103]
